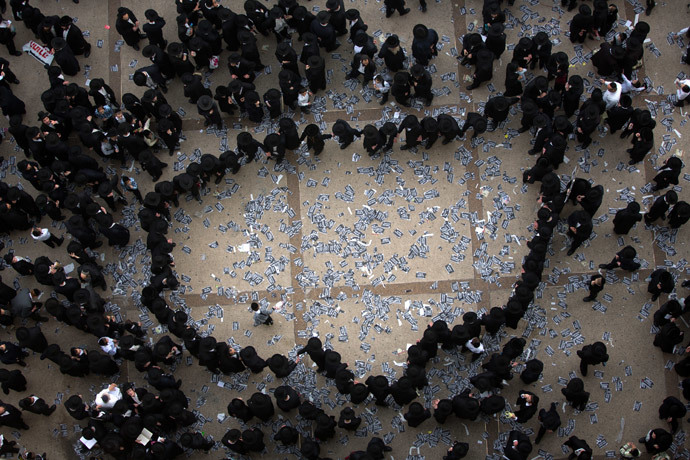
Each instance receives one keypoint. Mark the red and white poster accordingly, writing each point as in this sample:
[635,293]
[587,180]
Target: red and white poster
[38,51]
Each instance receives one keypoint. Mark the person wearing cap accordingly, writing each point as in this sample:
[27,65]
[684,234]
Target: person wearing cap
[373,140]
[430,131]
[240,68]
[324,31]
[345,133]
[392,54]
[248,48]
[194,88]
[581,23]
[424,44]
[364,44]
[287,57]
[475,121]
[362,65]
[209,110]
[483,69]
[154,28]
[151,77]
[74,37]
[393,5]
[355,22]
[274,147]
[338,19]
[127,25]
[161,59]
[179,58]
[497,109]
[20,264]
[421,82]
[413,131]
[315,138]
[518,446]
[64,57]
[496,39]
[315,70]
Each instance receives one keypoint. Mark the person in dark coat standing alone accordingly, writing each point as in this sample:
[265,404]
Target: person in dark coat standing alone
[127,25]
[591,355]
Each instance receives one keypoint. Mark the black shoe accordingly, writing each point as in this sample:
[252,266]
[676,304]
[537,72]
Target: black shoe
[87,53]
[472,86]
[97,245]
[571,251]
[424,9]
[17,53]
[642,440]
[686,283]
[389,14]
[532,152]
[522,130]
[654,297]
[405,11]
[62,239]
[51,410]
[587,299]
[404,147]
[136,47]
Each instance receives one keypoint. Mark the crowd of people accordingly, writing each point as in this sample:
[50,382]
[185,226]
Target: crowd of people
[71,185]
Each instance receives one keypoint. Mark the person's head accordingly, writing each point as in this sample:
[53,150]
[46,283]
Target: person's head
[671,197]
[255,306]
[612,87]
[36,231]
[685,88]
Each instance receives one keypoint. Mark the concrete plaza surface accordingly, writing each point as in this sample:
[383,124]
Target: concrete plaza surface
[366,251]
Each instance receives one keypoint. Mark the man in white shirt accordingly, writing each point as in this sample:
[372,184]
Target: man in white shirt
[43,234]
[682,92]
[107,398]
[108,345]
[612,94]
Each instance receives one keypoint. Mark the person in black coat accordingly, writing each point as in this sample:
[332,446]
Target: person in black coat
[549,422]
[518,446]
[668,312]
[619,114]
[36,405]
[64,57]
[657,440]
[591,355]
[424,44]
[252,360]
[392,54]
[643,142]
[315,139]
[668,173]
[348,420]
[315,70]
[12,380]
[668,337]
[541,50]
[21,265]
[31,338]
[238,409]
[483,69]
[74,37]
[477,122]
[280,365]
[362,65]
[209,110]
[527,403]
[196,441]
[497,109]
[325,427]
[373,140]
[660,206]
[587,123]
[154,28]
[448,128]
[671,410]
[379,387]
[416,414]
[261,406]
[660,281]
[579,229]
[596,285]
[496,39]
[532,371]
[324,31]
[403,391]
[457,451]
[401,88]
[421,82]
[127,25]
[626,218]
[287,435]
[465,405]
[679,215]
[345,133]
[233,441]
[625,259]
[12,417]
[287,398]
[575,394]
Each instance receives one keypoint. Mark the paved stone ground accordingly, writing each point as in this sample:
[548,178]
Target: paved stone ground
[365,251]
